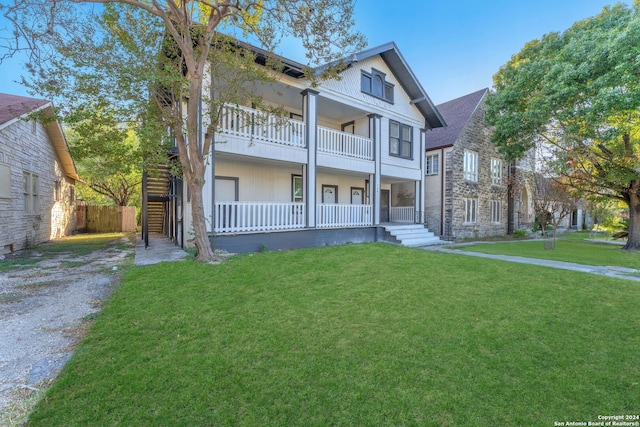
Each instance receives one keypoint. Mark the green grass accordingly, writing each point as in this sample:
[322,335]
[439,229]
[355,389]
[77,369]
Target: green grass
[358,335]
[570,247]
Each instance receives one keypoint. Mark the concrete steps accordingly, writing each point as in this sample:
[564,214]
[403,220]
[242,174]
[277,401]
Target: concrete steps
[413,235]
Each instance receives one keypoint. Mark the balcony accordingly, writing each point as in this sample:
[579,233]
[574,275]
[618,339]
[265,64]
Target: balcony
[256,126]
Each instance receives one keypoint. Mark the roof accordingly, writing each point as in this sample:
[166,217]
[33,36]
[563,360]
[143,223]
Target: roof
[457,113]
[391,55]
[13,108]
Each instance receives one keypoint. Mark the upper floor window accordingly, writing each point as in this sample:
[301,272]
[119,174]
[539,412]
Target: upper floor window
[470,165]
[374,84]
[433,165]
[496,171]
[400,140]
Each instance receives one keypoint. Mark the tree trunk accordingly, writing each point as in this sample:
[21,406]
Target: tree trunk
[633,240]
[199,222]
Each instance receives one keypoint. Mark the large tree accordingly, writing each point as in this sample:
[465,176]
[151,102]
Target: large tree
[578,94]
[151,60]
[109,162]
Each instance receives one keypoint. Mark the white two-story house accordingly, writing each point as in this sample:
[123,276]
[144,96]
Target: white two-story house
[348,162]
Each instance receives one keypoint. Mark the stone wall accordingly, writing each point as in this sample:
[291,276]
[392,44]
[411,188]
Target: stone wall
[474,137]
[25,147]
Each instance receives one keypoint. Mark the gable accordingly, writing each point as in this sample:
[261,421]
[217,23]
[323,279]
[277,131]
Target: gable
[14,108]
[457,114]
[350,85]
[395,64]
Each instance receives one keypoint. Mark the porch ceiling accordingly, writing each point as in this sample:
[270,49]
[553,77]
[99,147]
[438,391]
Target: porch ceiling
[253,160]
[289,96]
[341,172]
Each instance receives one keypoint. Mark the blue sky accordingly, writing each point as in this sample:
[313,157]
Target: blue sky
[454,47]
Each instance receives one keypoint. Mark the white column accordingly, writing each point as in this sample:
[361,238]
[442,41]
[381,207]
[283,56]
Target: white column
[421,185]
[375,132]
[310,117]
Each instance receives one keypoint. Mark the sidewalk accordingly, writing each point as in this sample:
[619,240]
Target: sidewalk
[609,271]
[160,249]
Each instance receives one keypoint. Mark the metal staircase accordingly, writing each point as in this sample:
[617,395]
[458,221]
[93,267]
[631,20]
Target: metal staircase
[158,188]
[162,204]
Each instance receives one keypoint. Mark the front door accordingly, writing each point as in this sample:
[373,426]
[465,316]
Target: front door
[384,205]
[357,195]
[329,194]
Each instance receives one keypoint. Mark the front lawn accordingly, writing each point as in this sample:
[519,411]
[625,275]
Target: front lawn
[358,335]
[570,247]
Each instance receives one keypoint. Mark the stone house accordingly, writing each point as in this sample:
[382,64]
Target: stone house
[37,176]
[466,190]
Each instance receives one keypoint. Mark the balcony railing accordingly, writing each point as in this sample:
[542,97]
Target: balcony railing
[236,217]
[344,144]
[402,214]
[334,215]
[256,125]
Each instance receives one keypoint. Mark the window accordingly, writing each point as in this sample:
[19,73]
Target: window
[30,186]
[496,211]
[470,210]
[496,171]
[297,192]
[5,177]
[56,190]
[400,140]
[433,165]
[470,165]
[374,84]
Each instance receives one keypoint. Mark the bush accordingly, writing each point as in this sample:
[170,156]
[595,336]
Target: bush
[519,233]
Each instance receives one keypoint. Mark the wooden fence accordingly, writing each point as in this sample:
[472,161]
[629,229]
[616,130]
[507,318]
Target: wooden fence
[106,219]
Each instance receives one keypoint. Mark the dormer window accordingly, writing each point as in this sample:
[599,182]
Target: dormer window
[374,84]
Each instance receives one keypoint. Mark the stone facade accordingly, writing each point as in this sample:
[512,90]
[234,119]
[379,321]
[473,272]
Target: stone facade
[475,138]
[45,209]
[475,204]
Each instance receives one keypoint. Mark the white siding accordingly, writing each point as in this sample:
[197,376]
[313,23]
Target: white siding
[260,182]
[347,90]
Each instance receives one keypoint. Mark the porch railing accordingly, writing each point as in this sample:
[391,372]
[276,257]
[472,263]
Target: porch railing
[344,144]
[256,125]
[235,217]
[334,215]
[402,214]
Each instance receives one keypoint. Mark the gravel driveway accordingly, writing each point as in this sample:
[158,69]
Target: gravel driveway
[45,309]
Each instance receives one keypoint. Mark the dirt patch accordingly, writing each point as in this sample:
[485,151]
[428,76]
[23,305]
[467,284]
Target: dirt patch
[47,303]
